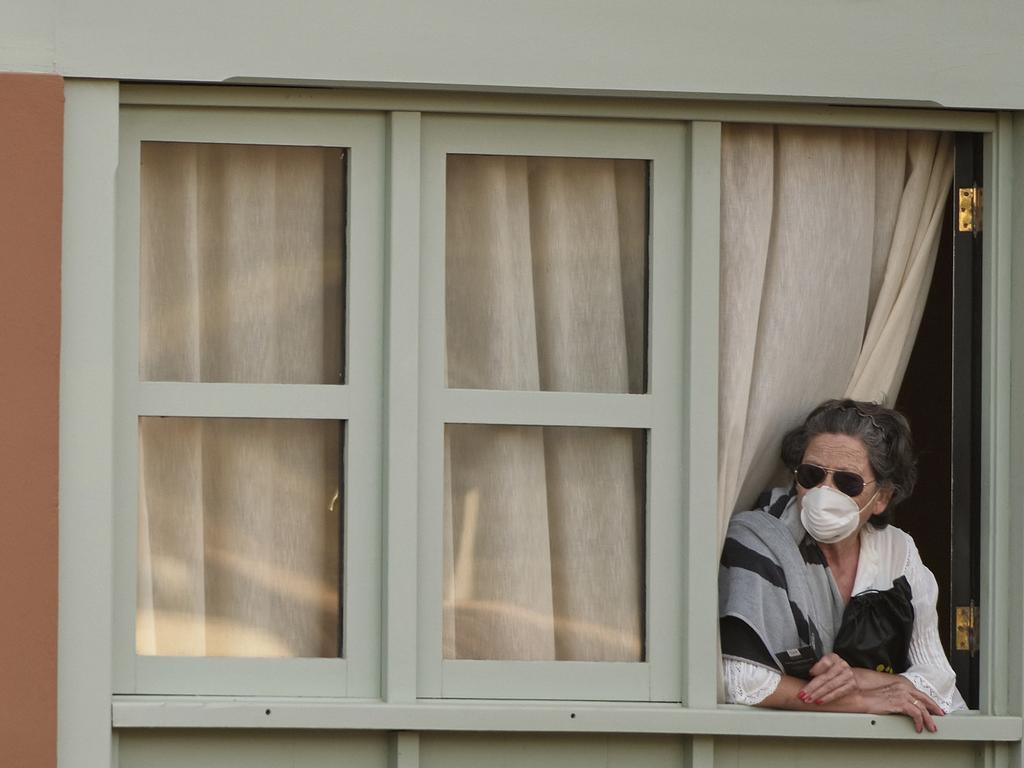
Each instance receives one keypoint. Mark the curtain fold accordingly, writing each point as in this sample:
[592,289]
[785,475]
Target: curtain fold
[828,245]
[896,316]
[496,479]
[240,281]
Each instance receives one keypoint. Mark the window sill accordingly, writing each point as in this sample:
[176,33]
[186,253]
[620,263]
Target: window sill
[537,717]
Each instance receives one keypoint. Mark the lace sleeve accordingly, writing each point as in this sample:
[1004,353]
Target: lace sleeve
[747,683]
[929,669]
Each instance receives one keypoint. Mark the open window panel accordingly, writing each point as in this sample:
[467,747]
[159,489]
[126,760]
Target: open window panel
[248,415]
[940,395]
[551,422]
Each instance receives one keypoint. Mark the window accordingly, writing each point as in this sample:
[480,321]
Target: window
[551,429]
[547,480]
[522,309]
[250,422]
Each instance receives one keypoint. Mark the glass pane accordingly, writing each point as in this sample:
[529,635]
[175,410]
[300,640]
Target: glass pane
[239,537]
[544,543]
[546,273]
[241,263]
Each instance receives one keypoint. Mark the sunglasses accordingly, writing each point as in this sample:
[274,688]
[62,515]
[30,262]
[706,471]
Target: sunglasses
[850,483]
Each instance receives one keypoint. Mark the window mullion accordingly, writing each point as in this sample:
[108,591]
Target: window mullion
[430,434]
[584,409]
[701,454]
[402,407]
[271,401]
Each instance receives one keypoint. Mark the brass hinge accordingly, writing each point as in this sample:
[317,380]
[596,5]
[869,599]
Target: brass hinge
[967,627]
[969,208]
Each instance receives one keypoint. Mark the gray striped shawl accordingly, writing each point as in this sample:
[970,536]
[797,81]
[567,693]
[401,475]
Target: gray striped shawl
[775,580]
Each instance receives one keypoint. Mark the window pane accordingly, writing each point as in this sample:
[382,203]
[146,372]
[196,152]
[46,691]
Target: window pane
[544,543]
[239,537]
[241,263]
[546,273]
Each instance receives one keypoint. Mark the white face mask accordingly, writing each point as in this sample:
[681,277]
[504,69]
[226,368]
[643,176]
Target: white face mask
[828,515]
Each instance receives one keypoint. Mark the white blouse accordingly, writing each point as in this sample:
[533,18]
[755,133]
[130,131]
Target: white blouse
[885,555]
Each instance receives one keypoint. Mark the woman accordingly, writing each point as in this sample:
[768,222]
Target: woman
[823,604]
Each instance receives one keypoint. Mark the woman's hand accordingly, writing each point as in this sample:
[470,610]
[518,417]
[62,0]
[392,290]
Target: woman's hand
[903,698]
[882,694]
[869,679]
[831,678]
[836,686]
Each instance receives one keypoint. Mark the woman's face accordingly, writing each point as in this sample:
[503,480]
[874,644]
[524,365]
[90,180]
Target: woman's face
[849,454]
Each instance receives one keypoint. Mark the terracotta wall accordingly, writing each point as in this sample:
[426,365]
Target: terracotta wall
[31,137]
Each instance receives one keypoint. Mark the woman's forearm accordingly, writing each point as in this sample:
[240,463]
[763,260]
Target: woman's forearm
[786,696]
[893,698]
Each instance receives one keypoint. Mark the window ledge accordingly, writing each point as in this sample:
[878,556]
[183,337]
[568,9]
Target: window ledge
[538,717]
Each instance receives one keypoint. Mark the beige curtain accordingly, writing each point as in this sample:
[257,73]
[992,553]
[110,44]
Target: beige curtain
[544,527]
[240,281]
[828,246]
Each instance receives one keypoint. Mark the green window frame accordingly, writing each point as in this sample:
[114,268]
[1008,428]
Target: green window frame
[355,402]
[659,412]
[101,400]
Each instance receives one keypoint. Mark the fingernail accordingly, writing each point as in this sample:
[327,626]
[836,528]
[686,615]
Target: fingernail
[820,701]
[802,696]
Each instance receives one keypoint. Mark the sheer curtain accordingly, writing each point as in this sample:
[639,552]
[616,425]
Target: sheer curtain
[544,527]
[828,245]
[240,281]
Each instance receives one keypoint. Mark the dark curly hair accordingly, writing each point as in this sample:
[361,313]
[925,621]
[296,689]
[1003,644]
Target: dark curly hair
[885,434]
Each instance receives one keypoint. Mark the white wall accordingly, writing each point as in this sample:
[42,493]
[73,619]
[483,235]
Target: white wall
[27,35]
[934,52]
